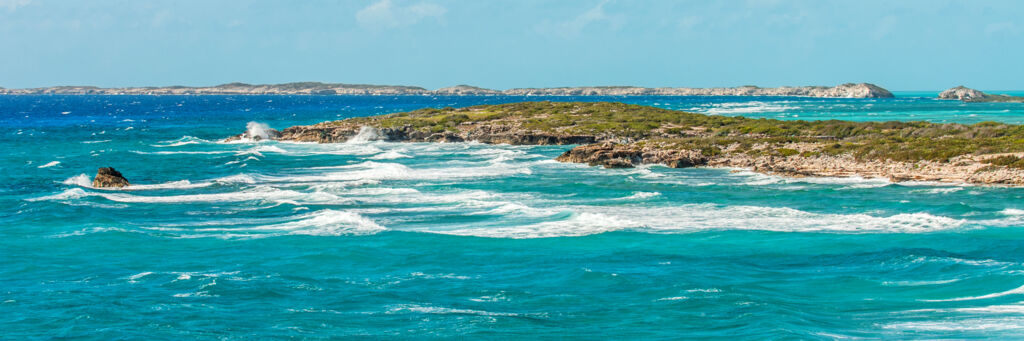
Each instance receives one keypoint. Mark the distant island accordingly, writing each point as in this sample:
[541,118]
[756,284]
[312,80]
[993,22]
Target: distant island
[849,90]
[617,135]
[970,95]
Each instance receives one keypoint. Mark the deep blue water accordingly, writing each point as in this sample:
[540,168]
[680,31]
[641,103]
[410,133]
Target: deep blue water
[465,240]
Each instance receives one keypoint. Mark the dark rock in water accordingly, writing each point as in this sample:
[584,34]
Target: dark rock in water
[109,177]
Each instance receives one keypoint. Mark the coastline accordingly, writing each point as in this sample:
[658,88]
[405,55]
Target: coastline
[766,146]
[848,90]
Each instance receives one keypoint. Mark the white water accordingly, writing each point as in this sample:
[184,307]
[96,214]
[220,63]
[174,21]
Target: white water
[50,164]
[428,186]
[257,129]
[366,134]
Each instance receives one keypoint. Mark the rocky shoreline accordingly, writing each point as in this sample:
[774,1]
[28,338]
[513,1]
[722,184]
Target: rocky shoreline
[961,170]
[969,95]
[849,90]
[804,156]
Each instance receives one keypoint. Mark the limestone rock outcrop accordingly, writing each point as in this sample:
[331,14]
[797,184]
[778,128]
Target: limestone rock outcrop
[611,155]
[970,95]
[962,93]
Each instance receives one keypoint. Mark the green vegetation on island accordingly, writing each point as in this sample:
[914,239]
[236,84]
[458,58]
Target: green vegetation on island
[713,135]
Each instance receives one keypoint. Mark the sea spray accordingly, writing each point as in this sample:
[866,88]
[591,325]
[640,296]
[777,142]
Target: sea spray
[367,134]
[257,131]
[81,180]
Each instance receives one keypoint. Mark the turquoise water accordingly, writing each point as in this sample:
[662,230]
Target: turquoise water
[465,240]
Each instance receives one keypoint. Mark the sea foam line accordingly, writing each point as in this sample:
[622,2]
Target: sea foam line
[587,220]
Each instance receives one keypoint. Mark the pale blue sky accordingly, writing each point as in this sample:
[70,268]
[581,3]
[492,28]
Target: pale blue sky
[900,45]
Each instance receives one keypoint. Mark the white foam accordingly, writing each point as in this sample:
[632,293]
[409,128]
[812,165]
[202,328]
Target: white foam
[81,180]
[1015,291]
[705,291]
[848,182]
[954,260]
[940,190]
[194,294]
[580,224]
[371,170]
[754,178]
[443,311]
[673,298]
[175,144]
[258,193]
[700,217]
[50,164]
[73,193]
[517,209]
[182,141]
[967,324]
[319,223]
[330,223]
[165,152]
[920,283]
[390,155]
[745,108]
[236,179]
[1012,212]
[784,219]
[134,278]
[270,149]
[180,184]
[86,231]
[993,309]
[641,195]
[259,150]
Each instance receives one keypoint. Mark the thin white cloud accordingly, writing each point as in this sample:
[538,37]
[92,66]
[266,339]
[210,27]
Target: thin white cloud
[573,27]
[884,27]
[1005,27]
[386,14]
[11,5]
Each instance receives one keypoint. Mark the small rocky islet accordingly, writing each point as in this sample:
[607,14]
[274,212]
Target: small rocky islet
[108,177]
[618,135]
[969,95]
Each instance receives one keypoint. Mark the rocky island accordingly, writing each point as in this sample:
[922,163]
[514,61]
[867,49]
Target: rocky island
[970,95]
[849,90]
[617,135]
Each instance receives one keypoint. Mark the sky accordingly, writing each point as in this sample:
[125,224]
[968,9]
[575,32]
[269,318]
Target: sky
[499,44]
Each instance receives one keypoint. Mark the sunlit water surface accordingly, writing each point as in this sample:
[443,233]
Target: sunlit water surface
[270,239]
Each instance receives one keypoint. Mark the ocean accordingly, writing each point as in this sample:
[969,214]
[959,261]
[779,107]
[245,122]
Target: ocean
[260,240]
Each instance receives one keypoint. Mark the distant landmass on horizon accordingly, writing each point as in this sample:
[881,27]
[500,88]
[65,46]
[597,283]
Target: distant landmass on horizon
[848,90]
